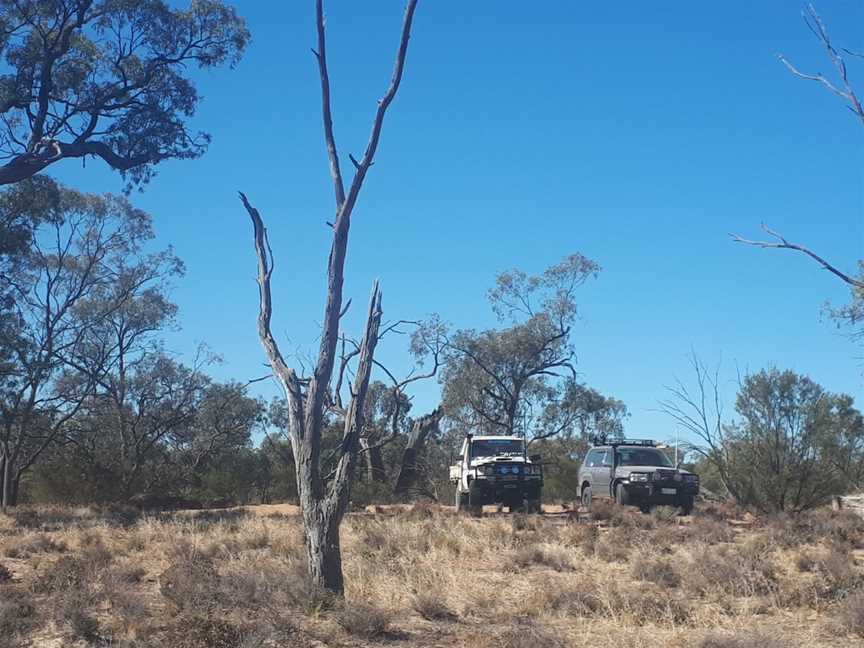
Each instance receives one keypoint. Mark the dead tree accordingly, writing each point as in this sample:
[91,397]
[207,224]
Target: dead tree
[421,430]
[844,89]
[324,503]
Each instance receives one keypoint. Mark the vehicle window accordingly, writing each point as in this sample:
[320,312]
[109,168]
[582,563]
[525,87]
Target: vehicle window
[643,457]
[607,459]
[496,448]
[592,458]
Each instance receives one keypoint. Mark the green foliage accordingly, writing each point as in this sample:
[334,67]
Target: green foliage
[521,379]
[108,78]
[795,445]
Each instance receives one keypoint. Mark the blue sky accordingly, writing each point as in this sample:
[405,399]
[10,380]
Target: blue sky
[639,134]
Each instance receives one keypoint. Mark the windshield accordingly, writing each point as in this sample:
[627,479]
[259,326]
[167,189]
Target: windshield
[642,457]
[496,448]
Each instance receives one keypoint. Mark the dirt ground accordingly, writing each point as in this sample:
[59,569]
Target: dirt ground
[424,576]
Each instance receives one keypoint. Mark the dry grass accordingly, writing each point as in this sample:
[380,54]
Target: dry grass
[426,577]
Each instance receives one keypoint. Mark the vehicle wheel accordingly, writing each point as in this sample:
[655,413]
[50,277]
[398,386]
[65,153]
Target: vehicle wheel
[686,504]
[461,500]
[622,497]
[586,499]
[475,504]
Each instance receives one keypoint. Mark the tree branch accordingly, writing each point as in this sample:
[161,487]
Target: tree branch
[783,244]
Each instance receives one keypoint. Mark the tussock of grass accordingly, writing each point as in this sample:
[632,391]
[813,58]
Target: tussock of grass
[742,640]
[432,606]
[364,620]
[851,616]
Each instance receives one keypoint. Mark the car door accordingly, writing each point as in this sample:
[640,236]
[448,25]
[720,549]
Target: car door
[586,471]
[603,475]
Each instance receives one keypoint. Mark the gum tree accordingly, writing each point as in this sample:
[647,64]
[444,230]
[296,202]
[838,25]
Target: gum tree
[106,79]
[324,502]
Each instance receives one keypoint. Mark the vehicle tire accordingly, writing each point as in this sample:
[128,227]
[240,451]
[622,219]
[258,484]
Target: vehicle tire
[686,504]
[622,497]
[461,500]
[586,499]
[475,503]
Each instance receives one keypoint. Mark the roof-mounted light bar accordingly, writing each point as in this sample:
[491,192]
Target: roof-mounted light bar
[633,442]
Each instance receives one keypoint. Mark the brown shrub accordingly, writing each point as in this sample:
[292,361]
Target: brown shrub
[131,574]
[17,613]
[543,556]
[422,511]
[742,640]
[520,635]
[740,571]
[660,571]
[805,562]
[74,610]
[851,615]
[432,606]
[583,536]
[49,519]
[580,598]
[652,605]
[69,572]
[191,584]
[710,531]
[39,544]
[601,510]
[664,514]
[614,546]
[620,516]
[791,531]
[364,620]
[200,631]
[719,511]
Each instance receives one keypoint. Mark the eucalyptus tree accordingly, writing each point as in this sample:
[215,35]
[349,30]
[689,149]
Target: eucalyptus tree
[107,79]
[792,446]
[521,379]
[324,502]
[85,260]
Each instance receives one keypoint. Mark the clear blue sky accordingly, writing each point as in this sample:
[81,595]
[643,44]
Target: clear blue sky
[638,134]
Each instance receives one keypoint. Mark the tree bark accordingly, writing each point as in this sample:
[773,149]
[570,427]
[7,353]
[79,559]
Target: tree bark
[5,476]
[420,431]
[324,504]
[374,461]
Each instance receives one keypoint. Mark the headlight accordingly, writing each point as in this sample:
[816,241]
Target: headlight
[691,478]
[657,476]
[534,470]
[638,477]
[486,470]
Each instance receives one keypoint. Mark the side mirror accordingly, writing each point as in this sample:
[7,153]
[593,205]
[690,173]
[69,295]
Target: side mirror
[536,458]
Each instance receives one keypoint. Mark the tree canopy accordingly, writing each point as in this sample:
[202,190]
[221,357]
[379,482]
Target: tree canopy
[107,79]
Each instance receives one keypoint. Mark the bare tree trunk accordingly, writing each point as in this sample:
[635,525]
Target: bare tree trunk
[324,502]
[14,483]
[420,431]
[374,461]
[7,482]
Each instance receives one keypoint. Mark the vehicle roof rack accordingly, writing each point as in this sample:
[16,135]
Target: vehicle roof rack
[631,442]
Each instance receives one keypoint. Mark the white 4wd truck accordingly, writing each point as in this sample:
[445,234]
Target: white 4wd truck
[497,470]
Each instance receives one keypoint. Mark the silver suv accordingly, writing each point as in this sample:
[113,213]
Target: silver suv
[635,472]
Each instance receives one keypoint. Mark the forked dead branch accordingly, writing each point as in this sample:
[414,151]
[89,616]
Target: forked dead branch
[844,89]
[324,502]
